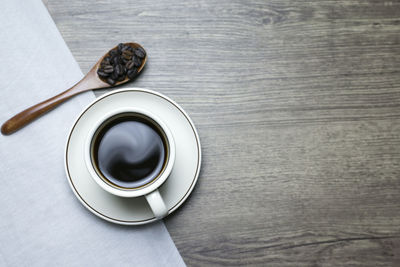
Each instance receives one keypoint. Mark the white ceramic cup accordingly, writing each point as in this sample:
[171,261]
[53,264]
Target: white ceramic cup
[150,190]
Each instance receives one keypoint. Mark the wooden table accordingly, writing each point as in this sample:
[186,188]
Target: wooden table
[297,104]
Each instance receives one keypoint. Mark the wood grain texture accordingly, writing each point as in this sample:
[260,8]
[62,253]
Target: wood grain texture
[297,104]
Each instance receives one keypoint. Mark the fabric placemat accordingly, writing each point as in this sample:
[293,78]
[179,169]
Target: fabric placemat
[42,223]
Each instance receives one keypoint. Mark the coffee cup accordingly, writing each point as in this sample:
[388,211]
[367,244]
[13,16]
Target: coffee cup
[130,152]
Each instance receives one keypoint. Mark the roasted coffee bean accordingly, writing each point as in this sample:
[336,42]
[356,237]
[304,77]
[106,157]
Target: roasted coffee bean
[106,60]
[129,65]
[137,61]
[120,46]
[124,60]
[102,73]
[104,64]
[111,81]
[121,78]
[140,52]
[108,69]
[116,60]
[114,75]
[126,47]
[118,69]
[132,73]
[123,70]
[126,57]
[127,53]
[113,53]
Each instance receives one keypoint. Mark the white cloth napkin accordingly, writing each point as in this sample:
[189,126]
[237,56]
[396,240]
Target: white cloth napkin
[41,221]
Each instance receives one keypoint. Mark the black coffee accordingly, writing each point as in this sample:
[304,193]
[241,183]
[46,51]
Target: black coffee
[129,151]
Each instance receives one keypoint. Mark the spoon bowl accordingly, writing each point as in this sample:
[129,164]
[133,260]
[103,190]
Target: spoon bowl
[91,81]
[139,69]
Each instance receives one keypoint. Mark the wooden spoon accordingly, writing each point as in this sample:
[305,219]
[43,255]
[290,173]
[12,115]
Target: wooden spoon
[91,81]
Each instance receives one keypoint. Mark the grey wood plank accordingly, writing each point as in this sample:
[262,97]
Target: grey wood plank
[297,104]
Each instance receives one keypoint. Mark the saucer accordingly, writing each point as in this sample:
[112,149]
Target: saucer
[175,190]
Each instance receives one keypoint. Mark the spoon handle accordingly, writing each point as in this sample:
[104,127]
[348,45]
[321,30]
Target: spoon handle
[30,114]
[90,81]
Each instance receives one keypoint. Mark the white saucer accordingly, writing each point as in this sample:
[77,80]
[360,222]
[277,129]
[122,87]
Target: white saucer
[134,211]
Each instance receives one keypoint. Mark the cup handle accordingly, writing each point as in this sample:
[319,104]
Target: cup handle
[157,204]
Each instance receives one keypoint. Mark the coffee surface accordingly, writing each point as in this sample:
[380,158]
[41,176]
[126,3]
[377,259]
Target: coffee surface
[129,152]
